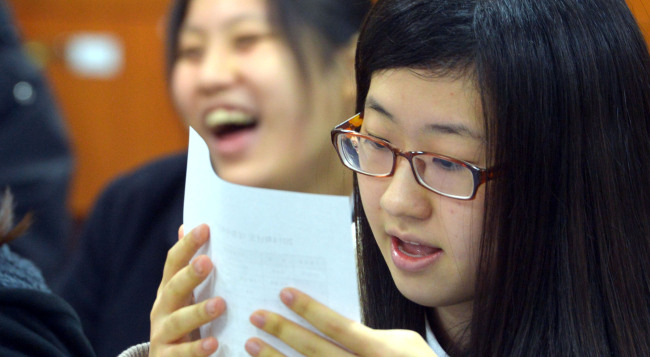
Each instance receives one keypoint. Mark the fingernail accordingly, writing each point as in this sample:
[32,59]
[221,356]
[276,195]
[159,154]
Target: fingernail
[258,320]
[211,307]
[197,234]
[198,267]
[286,296]
[253,347]
[209,344]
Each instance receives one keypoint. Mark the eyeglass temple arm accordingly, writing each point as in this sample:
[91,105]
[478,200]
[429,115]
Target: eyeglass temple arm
[352,124]
[490,174]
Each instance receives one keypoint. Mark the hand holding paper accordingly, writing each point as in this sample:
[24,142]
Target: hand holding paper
[262,241]
[172,320]
[346,338]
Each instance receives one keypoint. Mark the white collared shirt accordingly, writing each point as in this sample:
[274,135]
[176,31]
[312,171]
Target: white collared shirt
[433,342]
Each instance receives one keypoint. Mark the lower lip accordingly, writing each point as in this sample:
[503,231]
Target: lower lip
[233,144]
[410,263]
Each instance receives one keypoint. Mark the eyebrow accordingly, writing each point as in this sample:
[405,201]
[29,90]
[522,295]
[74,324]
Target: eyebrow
[371,103]
[228,24]
[444,128]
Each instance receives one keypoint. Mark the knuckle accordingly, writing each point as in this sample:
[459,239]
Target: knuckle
[172,259]
[274,325]
[176,290]
[172,250]
[302,306]
[173,323]
[310,349]
[155,336]
[153,314]
[199,311]
[333,328]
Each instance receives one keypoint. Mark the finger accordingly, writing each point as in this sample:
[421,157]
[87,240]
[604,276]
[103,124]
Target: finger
[297,337]
[187,319]
[351,334]
[181,232]
[200,348]
[181,253]
[258,348]
[179,290]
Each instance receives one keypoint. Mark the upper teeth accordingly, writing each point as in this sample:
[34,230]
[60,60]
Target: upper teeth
[222,117]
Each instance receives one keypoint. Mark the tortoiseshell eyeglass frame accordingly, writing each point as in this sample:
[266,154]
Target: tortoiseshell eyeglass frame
[353,125]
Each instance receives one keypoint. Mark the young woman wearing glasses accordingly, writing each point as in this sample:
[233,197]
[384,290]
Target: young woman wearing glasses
[501,191]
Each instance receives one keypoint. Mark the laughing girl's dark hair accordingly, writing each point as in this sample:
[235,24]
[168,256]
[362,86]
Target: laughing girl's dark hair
[565,88]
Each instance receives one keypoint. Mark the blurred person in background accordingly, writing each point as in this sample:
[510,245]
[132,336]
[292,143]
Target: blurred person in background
[262,82]
[33,321]
[35,158]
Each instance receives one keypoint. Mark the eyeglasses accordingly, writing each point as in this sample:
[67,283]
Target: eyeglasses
[377,158]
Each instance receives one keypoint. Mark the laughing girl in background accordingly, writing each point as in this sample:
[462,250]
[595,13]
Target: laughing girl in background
[501,157]
[263,82]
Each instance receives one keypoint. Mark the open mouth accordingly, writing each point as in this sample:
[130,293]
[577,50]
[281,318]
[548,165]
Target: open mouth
[223,123]
[411,256]
[415,250]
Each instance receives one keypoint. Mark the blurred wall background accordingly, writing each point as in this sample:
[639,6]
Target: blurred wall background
[641,10]
[104,59]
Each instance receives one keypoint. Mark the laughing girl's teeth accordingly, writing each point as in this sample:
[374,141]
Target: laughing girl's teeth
[228,117]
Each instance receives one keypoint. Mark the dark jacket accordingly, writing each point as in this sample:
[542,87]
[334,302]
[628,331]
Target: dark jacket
[113,279]
[38,323]
[33,321]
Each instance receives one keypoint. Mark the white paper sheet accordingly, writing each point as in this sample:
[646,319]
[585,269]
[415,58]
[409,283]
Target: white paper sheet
[262,241]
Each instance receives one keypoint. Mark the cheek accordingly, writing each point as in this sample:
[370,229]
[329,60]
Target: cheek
[181,90]
[466,223]
[371,189]
[275,80]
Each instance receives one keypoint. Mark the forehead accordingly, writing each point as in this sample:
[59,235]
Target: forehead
[220,14]
[416,99]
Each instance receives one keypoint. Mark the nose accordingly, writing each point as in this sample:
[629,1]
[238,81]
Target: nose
[218,70]
[404,197]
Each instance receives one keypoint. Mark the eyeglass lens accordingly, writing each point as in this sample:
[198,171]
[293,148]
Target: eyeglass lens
[373,157]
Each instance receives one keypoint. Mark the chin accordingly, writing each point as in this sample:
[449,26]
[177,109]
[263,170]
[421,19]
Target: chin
[430,294]
[421,297]
[243,180]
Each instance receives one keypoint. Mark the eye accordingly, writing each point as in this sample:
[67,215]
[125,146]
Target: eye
[246,42]
[372,144]
[447,165]
[192,53]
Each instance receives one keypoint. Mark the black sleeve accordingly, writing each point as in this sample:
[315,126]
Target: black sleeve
[87,278]
[35,323]
[113,277]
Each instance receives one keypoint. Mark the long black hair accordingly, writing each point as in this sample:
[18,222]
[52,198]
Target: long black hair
[565,88]
[327,24]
